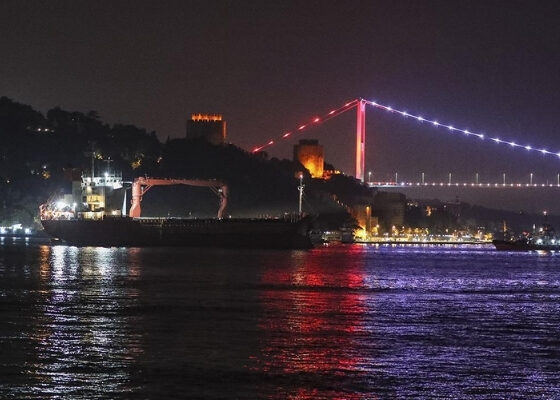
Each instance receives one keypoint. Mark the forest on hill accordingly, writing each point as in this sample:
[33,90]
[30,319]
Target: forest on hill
[37,148]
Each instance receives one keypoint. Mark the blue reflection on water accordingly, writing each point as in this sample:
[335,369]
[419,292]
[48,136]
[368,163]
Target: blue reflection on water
[355,322]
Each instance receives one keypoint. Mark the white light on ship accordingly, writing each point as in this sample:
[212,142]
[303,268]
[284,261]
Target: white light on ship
[60,204]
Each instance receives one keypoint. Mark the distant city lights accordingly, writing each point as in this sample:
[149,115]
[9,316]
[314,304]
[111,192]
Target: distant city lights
[15,230]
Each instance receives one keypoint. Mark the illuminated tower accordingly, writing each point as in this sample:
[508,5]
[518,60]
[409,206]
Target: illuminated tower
[310,154]
[360,139]
[211,127]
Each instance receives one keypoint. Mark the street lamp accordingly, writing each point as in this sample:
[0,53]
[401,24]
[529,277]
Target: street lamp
[300,190]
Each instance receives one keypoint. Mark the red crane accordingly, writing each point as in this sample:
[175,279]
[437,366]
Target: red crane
[141,185]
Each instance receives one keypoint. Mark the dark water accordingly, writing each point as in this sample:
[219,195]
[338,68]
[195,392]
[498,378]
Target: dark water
[352,322]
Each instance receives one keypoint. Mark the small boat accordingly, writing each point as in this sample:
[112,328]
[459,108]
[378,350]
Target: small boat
[544,240]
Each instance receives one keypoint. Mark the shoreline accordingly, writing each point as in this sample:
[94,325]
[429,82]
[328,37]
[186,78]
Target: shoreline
[438,242]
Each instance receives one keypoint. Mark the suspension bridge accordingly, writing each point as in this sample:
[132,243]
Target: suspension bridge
[396,183]
[360,106]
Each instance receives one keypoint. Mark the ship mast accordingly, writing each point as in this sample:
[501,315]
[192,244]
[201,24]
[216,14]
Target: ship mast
[92,163]
[92,153]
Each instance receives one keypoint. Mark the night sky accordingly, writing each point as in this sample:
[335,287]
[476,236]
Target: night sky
[488,66]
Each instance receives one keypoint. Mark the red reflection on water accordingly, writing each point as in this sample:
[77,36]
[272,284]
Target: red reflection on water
[312,319]
[303,394]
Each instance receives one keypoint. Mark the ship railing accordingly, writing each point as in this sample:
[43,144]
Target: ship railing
[283,218]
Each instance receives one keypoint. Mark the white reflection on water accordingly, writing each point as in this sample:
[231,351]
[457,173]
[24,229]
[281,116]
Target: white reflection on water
[84,343]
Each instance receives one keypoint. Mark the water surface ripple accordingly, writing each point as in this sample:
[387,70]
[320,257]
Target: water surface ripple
[342,322]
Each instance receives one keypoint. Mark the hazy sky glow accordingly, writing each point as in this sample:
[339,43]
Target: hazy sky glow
[490,67]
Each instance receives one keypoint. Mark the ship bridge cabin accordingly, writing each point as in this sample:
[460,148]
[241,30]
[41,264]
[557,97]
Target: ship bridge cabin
[101,195]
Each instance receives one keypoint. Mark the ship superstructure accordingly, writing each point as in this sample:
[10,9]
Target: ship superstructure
[92,197]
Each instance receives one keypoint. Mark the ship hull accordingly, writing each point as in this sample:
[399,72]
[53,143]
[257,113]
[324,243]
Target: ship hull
[507,245]
[142,232]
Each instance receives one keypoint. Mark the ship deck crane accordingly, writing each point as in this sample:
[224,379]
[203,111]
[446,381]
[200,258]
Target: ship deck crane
[141,185]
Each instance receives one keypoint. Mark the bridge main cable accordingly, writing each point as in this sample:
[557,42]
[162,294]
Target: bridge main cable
[314,122]
[451,128]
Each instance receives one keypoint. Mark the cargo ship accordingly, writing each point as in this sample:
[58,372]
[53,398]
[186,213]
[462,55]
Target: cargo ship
[90,217]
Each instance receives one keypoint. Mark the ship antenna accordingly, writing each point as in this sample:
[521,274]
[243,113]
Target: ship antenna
[108,161]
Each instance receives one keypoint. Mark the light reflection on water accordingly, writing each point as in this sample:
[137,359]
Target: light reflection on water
[413,322]
[352,322]
[77,341]
[310,327]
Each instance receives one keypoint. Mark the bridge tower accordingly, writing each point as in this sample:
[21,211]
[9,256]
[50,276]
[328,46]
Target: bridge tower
[360,139]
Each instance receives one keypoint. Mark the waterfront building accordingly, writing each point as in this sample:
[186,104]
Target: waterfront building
[390,208]
[368,223]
